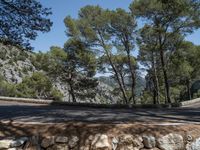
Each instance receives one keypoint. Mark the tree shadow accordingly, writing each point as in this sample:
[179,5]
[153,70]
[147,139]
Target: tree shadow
[29,120]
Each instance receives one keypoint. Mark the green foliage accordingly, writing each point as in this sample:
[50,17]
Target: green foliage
[79,69]
[104,40]
[37,86]
[146,98]
[6,89]
[110,34]
[21,21]
[166,25]
[56,94]
[50,62]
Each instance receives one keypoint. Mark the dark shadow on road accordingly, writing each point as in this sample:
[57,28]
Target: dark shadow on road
[57,114]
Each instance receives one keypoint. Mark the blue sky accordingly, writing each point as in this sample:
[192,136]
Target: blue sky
[63,8]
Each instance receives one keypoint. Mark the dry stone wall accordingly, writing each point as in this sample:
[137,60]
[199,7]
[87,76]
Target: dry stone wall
[170,141]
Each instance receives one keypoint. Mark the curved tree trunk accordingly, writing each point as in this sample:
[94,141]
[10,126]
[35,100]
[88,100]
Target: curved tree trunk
[125,97]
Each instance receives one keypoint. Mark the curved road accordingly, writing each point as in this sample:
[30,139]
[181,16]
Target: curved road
[32,113]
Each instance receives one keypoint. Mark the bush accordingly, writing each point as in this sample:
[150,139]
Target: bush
[7,89]
[56,94]
[37,86]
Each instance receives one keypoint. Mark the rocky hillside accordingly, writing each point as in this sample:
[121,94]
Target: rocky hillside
[140,83]
[16,64]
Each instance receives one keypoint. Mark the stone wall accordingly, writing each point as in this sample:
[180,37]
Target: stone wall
[171,141]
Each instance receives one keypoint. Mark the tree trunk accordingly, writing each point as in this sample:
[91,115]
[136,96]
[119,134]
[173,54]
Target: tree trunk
[188,89]
[125,97]
[154,97]
[167,88]
[157,88]
[72,93]
[133,77]
[132,71]
[72,89]
[155,80]
[118,80]
[122,79]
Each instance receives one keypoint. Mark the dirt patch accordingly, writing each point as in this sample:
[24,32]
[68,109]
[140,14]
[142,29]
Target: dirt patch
[86,129]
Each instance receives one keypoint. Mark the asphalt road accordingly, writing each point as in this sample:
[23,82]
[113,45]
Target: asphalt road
[32,113]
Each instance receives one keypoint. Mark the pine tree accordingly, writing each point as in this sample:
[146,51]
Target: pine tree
[171,21]
[21,20]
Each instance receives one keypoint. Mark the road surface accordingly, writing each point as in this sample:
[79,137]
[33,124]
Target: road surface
[26,113]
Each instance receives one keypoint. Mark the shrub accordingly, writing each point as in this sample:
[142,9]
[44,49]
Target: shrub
[7,89]
[38,86]
[56,94]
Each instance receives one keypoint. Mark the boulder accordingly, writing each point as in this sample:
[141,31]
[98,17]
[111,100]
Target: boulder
[130,142]
[59,147]
[149,141]
[85,148]
[48,141]
[101,141]
[18,142]
[61,139]
[33,143]
[5,144]
[150,149]
[171,142]
[73,141]
[193,145]
[115,142]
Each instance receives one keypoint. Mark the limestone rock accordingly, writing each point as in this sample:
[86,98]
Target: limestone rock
[101,141]
[48,141]
[5,144]
[85,147]
[33,143]
[194,145]
[73,141]
[171,142]
[150,149]
[114,143]
[61,139]
[130,142]
[18,142]
[149,141]
[58,147]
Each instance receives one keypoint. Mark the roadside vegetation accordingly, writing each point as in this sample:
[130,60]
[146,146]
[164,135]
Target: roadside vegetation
[105,41]
[37,86]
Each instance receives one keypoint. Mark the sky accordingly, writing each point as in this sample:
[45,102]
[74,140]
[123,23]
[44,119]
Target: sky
[63,8]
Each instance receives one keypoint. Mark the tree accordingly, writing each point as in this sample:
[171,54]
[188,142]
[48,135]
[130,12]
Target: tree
[171,21]
[51,61]
[184,66]
[121,61]
[122,29]
[148,56]
[74,64]
[21,20]
[101,30]
[79,69]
